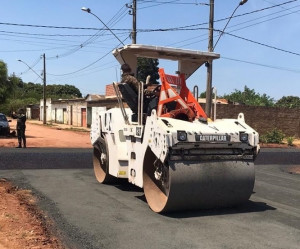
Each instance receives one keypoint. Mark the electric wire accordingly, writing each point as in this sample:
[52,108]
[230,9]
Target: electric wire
[262,65]
[33,65]
[239,24]
[81,69]
[273,3]
[182,28]
[150,30]
[262,44]
[158,4]
[172,2]
[116,18]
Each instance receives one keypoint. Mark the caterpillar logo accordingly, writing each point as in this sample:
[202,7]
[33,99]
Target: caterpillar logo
[212,138]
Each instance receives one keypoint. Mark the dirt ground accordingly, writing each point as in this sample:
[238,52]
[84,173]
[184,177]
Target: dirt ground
[22,224]
[59,136]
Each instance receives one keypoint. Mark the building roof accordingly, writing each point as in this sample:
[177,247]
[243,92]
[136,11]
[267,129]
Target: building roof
[94,97]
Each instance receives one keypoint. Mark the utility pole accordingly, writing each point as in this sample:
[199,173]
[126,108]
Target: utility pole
[209,64]
[44,91]
[134,22]
[132,12]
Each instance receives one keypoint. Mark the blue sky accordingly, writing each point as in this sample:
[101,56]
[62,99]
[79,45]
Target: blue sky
[268,61]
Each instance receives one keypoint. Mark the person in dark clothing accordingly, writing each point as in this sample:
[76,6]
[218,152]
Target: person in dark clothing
[150,97]
[127,77]
[21,127]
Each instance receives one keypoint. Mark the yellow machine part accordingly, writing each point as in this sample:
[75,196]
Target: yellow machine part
[190,185]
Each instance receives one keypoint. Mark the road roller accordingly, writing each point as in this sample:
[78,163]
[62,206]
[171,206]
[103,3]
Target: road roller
[164,142]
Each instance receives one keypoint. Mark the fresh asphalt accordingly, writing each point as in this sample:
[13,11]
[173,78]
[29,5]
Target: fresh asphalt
[92,215]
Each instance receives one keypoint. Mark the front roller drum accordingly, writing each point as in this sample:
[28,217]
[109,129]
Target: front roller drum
[101,161]
[190,185]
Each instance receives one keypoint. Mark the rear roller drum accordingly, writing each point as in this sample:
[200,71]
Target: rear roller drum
[192,185]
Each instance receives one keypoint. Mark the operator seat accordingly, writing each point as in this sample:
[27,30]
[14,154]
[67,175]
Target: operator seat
[130,96]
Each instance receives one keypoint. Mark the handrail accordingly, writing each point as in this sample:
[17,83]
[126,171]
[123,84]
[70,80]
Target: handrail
[121,104]
[140,103]
[196,92]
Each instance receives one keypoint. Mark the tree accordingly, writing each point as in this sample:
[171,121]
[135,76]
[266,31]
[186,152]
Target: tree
[145,67]
[35,91]
[63,91]
[203,95]
[16,86]
[6,86]
[249,97]
[289,102]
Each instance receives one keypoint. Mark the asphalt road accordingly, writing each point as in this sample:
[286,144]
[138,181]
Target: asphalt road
[92,215]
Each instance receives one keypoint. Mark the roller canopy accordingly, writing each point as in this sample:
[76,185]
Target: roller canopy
[188,60]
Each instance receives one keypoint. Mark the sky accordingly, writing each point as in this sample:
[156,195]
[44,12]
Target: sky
[259,49]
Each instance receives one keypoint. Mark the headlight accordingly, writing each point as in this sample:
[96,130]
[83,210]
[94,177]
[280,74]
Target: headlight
[181,135]
[243,137]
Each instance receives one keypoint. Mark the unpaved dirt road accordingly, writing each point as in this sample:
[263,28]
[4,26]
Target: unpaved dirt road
[22,224]
[45,136]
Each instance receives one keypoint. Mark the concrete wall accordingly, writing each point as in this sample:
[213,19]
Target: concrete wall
[48,109]
[57,112]
[264,119]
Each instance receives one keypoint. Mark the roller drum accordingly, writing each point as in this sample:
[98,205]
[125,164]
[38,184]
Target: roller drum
[200,185]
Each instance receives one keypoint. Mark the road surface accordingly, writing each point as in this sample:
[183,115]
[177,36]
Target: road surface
[92,215]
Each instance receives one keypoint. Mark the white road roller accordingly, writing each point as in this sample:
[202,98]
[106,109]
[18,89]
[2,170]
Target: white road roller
[171,149]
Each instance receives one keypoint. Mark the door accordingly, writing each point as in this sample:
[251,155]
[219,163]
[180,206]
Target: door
[83,117]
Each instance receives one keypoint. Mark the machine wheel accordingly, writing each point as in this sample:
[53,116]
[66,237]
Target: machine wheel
[101,161]
[190,185]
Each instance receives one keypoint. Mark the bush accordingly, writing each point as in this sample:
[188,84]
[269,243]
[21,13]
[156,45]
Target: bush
[274,136]
[290,141]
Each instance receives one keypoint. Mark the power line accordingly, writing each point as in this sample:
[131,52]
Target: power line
[47,39]
[261,44]
[81,69]
[262,65]
[174,2]
[33,65]
[256,42]
[158,4]
[273,3]
[116,18]
[204,35]
[37,34]
[224,19]
[145,30]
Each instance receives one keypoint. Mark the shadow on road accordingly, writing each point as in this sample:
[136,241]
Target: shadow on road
[248,207]
[124,185]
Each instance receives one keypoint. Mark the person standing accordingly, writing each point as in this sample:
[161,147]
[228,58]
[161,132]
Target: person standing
[21,127]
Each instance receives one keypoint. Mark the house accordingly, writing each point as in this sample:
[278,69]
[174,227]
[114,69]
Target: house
[33,111]
[76,112]
[65,111]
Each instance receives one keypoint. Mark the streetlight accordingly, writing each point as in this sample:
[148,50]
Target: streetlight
[88,10]
[240,4]
[44,86]
[30,68]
